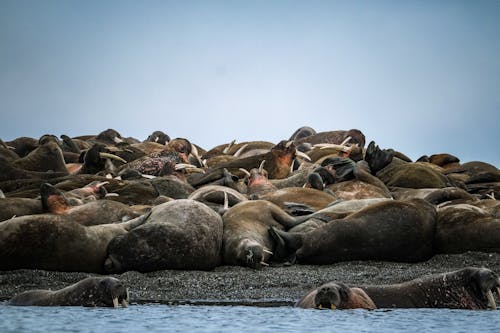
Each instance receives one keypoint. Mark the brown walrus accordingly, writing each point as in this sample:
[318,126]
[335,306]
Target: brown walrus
[246,240]
[390,230]
[333,296]
[47,241]
[91,291]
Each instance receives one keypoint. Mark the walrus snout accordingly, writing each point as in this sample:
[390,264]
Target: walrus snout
[489,283]
[327,297]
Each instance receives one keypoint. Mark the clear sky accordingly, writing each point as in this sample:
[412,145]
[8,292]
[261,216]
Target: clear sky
[422,77]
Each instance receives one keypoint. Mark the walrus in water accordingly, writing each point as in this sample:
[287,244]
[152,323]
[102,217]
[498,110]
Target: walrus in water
[333,296]
[468,288]
[91,291]
[390,230]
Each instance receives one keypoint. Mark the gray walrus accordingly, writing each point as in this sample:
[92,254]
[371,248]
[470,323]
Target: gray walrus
[468,288]
[180,234]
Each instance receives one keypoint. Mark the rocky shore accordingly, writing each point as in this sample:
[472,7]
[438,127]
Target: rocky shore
[232,285]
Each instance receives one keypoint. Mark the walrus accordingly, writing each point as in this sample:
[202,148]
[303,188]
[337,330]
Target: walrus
[333,296]
[465,227]
[47,242]
[390,230]
[158,137]
[468,288]
[278,163]
[181,234]
[46,157]
[246,241]
[90,213]
[91,291]
[12,207]
[335,137]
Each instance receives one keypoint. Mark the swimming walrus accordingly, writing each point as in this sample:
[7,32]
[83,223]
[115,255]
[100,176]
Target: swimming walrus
[333,296]
[468,288]
[390,230]
[91,291]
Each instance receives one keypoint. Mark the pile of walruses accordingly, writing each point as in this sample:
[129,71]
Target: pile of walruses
[109,204]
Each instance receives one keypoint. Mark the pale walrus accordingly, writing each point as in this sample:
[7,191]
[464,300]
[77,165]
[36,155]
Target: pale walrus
[91,291]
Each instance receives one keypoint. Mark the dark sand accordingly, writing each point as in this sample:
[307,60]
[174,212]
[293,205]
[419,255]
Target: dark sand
[230,285]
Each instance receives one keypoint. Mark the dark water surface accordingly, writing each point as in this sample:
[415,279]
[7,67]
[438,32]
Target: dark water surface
[161,318]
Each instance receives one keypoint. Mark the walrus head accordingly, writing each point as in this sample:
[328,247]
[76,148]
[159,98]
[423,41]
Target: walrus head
[108,291]
[488,283]
[330,296]
[53,200]
[253,254]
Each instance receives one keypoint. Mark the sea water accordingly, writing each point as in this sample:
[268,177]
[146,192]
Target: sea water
[189,318]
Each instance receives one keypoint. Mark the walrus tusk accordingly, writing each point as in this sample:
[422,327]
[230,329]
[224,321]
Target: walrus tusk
[491,300]
[192,168]
[112,157]
[229,145]
[2,195]
[261,166]
[124,303]
[115,302]
[332,306]
[268,252]
[303,155]
[117,140]
[226,201]
[288,144]
[344,149]
[264,263]
[112,194]
[245,171]
[147,176]
[194,152]
[346,141]
[240,151]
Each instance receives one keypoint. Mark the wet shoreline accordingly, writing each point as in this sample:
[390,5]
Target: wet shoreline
[232,285]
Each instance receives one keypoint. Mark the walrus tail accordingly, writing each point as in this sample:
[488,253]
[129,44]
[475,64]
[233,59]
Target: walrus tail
[286,244]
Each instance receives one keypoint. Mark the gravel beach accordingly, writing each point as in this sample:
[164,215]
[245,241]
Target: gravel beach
[231,285]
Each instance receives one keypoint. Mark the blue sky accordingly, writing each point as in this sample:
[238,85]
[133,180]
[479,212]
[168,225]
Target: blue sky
[422,77]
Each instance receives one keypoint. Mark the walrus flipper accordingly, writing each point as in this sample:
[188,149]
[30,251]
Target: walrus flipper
[286,244]
[298,209]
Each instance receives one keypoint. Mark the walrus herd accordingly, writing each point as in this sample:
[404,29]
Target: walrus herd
[109,204]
